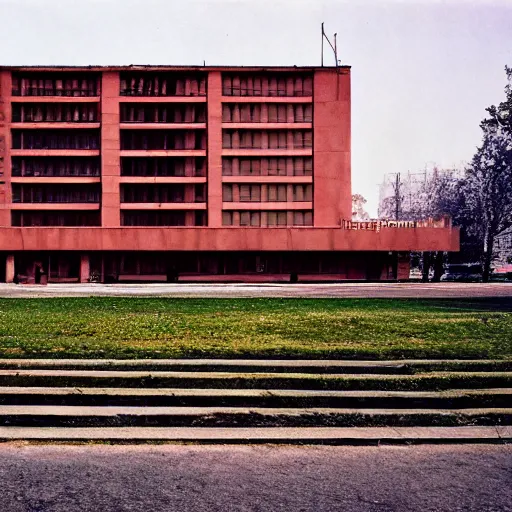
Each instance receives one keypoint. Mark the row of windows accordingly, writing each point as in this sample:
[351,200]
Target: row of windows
[267,85]
[56,84]
[164,193]
[161,139]
[48,167]
[266,193]
[267,113]
[55,193]
[60,218]
[291,166]
[267,219]
[162,113]
[160,166]
[55,112]
[282,139]
[162,84]
[55,139]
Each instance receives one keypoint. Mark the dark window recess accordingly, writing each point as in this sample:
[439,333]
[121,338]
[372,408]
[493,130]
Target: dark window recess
[162,139]
[163,193]
[290,166]
[267,113]
[161,166]
[49,218]
[277,84]
[161,113]
[55,113]
[56,84]
[273,218]
[279,139]
[163,84]
[55,139]
[143,218]
[55,166]
[55,193]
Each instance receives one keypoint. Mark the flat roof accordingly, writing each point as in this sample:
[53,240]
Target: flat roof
[165,67]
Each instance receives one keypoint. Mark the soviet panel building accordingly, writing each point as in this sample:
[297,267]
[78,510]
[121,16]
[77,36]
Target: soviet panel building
[160,173]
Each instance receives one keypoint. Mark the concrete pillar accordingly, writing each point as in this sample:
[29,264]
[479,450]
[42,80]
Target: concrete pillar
[85,268]
[110,147]
[9,268]
[214,149]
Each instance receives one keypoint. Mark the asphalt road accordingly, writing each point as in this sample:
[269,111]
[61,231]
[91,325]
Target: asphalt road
[248,478]
[362,290]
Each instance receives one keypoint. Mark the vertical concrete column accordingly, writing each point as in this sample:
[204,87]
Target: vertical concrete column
[110,150]
[331,146]
[9,268]
[85,268]
[5,148]
[214,149]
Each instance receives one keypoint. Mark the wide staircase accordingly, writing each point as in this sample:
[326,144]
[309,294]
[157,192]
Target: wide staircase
[256,401]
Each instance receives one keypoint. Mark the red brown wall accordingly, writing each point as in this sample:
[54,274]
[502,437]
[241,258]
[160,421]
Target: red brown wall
[5,145]
[331,143]
[227,239]
[110,150]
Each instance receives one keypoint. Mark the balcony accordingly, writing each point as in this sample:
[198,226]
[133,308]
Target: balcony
[271,85]
[267,116]
[37,86]
[55,116]
[151,116]
[191,167]
[68,168]
[55,143]
[55,196]
[170,195]
[163,85]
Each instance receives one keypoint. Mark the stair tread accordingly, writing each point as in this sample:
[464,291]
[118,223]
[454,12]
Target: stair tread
[296,434]
[212,392]
[66,410]
[236,375]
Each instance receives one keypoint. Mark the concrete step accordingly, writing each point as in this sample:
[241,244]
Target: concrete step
[399,367]
[154,397]
[374,436]
[93,416]
[232,380]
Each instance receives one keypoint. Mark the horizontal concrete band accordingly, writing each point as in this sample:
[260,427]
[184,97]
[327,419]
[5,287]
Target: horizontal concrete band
[226,239]
[302,435]
[244,393]
[256,363]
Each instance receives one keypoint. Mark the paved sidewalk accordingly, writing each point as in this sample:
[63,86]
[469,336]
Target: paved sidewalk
[235,290]
[469,478]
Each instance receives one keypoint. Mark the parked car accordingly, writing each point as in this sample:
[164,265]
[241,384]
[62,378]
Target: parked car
[463,272]
[503,273]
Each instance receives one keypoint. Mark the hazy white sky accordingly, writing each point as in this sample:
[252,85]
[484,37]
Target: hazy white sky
[422,71]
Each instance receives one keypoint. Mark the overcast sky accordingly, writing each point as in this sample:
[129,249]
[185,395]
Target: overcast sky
[422,71]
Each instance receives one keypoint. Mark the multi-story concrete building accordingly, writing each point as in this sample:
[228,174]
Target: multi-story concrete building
[210,173]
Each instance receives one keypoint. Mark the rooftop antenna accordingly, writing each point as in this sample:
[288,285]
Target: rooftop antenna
[334,48]
[336,60]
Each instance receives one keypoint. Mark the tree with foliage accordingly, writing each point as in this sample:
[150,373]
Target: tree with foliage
[358,211]
[487,187]
[488,190]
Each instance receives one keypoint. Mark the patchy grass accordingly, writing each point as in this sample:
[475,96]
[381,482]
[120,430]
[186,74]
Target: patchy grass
[103,327]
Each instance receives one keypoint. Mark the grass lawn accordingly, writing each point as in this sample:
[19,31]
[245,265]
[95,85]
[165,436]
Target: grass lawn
[316,328]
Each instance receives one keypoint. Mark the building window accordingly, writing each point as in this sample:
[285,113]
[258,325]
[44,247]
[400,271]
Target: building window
[250,193]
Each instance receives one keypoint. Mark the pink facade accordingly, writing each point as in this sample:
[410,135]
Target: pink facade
[214,173]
